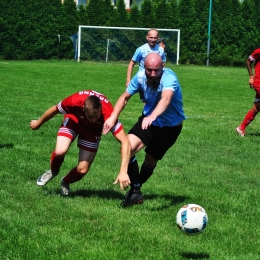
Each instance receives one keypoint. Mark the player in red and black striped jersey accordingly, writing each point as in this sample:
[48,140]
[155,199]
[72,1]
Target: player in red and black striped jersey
[84,115]
[254,82]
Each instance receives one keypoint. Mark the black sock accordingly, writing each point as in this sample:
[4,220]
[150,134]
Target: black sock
[145,173]
[133,172]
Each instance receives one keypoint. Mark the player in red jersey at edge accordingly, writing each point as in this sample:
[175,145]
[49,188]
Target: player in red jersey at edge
[254,82]
[84,115]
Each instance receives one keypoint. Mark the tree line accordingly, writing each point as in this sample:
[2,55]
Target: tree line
[35,29]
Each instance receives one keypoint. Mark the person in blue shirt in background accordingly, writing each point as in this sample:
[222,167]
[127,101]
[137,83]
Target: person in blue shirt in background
[153,45]
[160,124]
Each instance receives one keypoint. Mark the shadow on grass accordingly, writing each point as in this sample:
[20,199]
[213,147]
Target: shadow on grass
[107,194]
[253,134]
[6,146]
[168,200]
[190,255]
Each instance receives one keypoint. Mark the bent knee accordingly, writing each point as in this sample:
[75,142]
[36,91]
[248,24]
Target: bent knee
[82,169]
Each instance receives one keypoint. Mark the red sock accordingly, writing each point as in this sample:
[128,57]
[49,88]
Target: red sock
[73,176]
[56,162]
[250,116]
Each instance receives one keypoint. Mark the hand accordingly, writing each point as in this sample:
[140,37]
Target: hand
[251,81]
[34,125]
[108,125]
[147,121]
[123,180]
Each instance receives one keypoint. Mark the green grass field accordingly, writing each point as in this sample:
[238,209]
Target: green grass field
[210,165]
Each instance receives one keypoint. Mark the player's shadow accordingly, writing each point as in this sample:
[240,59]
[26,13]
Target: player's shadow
[9,145]
[107,194]
[168,200]
[190,255]
[253,134]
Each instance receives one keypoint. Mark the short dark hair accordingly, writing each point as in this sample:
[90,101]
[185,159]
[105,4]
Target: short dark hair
[92,102]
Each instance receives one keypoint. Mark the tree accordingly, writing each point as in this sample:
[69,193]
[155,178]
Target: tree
[250,26]
[121,14]
[94,16]
[147,18]
[226,33]
[134,17]
[187,25]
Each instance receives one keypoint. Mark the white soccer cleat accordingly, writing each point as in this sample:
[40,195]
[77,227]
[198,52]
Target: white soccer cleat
[46,177]
[240,132]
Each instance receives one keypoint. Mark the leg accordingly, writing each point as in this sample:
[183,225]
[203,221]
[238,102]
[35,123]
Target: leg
[77,173]
[134,195]
[57,158]
[88,144]
[164,138]
[133,169]
[147,168]
[62,146]
[251,114]
[66,135]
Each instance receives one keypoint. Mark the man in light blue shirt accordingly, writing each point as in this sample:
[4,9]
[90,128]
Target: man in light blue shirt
[152,45]
[158,127]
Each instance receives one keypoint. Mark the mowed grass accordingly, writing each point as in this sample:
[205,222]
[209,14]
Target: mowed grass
[209,165]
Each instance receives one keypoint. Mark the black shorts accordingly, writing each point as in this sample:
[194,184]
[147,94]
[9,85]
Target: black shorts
[156,139]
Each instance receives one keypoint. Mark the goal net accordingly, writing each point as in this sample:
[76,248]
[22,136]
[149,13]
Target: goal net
[100,43]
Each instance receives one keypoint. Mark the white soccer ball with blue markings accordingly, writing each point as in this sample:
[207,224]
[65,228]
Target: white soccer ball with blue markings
[192,219]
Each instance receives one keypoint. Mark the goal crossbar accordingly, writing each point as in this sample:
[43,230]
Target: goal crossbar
[127,28]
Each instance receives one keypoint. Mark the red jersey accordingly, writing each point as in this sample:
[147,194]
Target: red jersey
[255,57]
[73,106]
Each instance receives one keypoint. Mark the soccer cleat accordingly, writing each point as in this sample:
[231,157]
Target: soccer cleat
[65,188]
[133,197]
[46,177]
[240,131]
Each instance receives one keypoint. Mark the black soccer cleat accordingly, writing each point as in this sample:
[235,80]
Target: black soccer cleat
[133,197]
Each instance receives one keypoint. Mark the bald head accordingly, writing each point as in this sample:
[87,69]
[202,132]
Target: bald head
[153,69]
[152,32]
[153,59]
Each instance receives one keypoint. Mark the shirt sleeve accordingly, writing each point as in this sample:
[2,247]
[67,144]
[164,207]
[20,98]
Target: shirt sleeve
[65,106]
[169,81]
[137,55]
[255,55]
[133,86]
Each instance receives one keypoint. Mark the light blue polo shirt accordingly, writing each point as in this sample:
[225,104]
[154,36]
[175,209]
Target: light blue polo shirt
[174,114]
[142,51]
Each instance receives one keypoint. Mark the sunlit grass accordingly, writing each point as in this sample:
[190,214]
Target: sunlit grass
[209,165]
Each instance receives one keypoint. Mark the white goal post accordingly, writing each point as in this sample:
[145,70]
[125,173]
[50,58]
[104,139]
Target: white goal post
[102,42]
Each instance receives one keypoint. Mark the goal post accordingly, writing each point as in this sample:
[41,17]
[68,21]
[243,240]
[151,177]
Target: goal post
[103,43]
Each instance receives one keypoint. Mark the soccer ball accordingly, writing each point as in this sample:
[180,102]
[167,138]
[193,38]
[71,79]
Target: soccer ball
[191,219]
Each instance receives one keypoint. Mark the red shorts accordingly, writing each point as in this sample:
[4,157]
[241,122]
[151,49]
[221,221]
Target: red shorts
[86,139]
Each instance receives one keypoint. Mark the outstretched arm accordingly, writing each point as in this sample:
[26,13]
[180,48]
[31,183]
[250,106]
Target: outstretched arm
[119,106]
[123,177]
[47,115]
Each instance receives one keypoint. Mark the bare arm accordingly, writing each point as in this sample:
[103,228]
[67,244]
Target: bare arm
[119,106]
[123,177]
[129,71]
[250,71]
[159,109]
[47,115]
